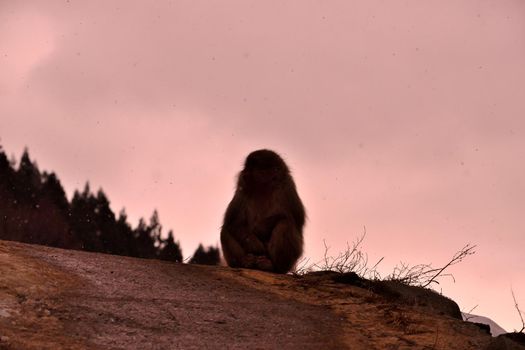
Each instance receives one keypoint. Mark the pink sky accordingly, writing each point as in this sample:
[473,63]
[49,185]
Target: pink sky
[406,117]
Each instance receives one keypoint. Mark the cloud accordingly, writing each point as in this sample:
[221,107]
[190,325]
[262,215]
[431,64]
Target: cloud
[403,118]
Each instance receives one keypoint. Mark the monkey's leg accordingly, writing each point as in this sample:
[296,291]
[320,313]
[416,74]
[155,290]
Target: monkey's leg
[285,246]
[256,254]
[243,252]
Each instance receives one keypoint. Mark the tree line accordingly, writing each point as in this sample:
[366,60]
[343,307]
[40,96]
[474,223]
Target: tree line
[34,209]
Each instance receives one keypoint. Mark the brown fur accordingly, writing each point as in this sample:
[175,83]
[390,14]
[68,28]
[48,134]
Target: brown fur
[263,224]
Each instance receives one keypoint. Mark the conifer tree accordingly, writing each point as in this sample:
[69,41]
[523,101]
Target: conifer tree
[209,256]
[28,179]
[52,188]
[145,240]
[125,237]
[105,223]
[83,221]
[171,250]
[34,209]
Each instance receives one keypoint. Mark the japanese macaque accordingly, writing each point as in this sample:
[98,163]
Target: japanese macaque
[263,224]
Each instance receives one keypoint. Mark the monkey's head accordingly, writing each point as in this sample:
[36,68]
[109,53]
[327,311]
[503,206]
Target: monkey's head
[263,168]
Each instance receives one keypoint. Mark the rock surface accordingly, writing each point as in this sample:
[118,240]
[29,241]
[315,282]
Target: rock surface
[495,329]
[63,299]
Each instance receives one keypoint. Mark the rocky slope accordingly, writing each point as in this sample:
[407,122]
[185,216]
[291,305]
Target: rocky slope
[64,299]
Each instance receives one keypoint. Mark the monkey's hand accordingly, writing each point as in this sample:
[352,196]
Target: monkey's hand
[253,245]
[249,261]
[258,262]
[263,263]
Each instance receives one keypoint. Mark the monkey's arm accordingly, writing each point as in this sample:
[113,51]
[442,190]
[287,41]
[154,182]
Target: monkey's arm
[239,246]
[237,255]
[264,229]
[285,246]
[231,249]
[237,228]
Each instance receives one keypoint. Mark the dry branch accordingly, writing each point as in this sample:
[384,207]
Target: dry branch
[424,274]
[352,259]
[519,311]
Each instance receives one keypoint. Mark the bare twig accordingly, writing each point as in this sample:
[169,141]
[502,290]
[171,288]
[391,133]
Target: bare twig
[468,312]
[458,257]
[302,267]
[424,274]
[352,259]
[519,311]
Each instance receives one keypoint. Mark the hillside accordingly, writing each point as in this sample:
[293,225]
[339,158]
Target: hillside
[52,298]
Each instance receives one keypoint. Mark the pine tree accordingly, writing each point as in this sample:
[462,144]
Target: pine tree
[209,256]
[4,162]
[155,228]
[125,237]
[52,188]
[7,173]
[83,220]
[145,240]
[171,250]
[6,202]
[28,179]
[106,224]
[34,209]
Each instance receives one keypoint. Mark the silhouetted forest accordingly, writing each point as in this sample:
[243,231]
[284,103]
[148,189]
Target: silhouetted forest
[34,209]
[208,256]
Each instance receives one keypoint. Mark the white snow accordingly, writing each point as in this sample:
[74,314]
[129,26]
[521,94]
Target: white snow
[495,329]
